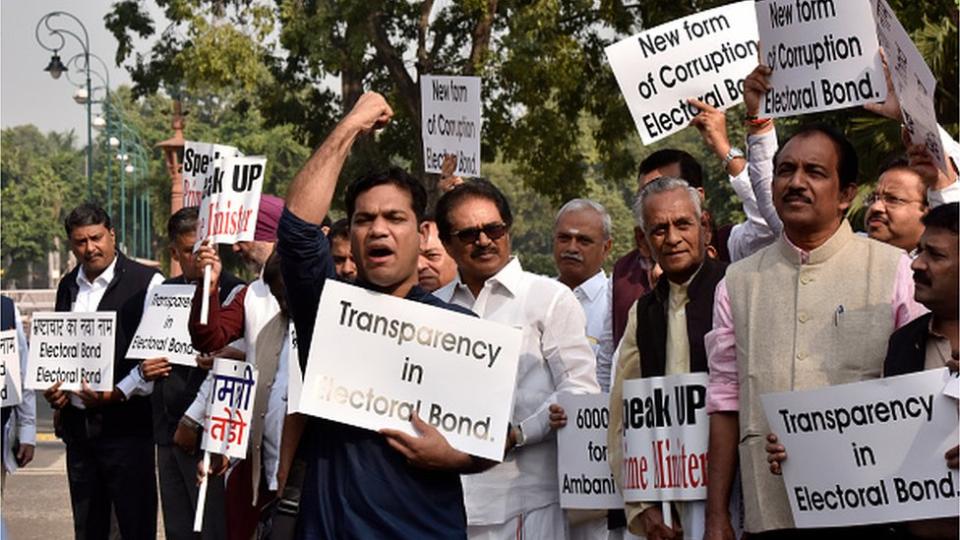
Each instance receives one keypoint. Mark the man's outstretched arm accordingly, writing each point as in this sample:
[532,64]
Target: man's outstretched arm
[305,260]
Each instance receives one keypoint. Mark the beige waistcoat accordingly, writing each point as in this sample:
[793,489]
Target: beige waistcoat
[790,336]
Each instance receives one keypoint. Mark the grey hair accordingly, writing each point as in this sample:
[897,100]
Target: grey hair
[586,204]
[662,185]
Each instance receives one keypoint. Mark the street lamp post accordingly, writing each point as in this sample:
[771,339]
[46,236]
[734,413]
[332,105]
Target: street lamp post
[56,67]
[82,97]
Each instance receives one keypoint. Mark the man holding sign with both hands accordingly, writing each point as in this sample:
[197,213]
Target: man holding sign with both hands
[108,434]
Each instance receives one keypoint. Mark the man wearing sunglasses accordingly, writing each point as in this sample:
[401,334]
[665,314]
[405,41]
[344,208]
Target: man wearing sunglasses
[518,497]
[895,208]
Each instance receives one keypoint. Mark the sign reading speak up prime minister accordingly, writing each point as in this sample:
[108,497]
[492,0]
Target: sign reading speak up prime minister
[375,359]
[231,199]
[665,438]
[705,56]
[868,452]
[824,55]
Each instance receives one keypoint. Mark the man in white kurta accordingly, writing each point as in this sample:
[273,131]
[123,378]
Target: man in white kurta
[521,495]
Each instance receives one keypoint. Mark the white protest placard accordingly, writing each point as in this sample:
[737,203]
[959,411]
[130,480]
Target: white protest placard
[375,359]
[294,373]
[823,53]
[163,330]
[226,427]
[12,391]
[913,82]
[70,348]
[665,436]
[868,452]
[231,200]
[705,56]
[451,118]
[199,166]
[584,473]
[952,388]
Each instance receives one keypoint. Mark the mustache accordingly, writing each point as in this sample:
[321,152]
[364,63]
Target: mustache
[799,193]
[922,278]
[878,214]
[480,251]
[572,256]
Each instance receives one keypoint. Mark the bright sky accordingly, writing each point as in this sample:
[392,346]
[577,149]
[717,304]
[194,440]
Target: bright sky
[28,95]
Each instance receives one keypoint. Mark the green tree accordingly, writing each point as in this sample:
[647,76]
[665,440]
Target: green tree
[37,172]
[547,85]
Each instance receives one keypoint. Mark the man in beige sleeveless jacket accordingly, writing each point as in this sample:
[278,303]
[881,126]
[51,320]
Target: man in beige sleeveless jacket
[814,309]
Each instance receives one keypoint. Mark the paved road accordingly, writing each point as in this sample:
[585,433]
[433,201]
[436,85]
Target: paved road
[36,500]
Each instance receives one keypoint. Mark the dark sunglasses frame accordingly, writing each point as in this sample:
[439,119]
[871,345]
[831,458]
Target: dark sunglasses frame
[494,231]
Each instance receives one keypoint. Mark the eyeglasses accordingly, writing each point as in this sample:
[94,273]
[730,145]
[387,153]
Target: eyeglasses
[494,231]
[888,200]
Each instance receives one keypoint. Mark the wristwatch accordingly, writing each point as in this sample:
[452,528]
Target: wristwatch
[518,436]
[732,154]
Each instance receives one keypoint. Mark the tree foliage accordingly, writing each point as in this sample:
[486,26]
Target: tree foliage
[37,171]
[264,75]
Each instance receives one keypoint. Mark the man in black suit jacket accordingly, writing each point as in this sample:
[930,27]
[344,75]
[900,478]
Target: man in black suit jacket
[108,434]
[175,388]
[933,340]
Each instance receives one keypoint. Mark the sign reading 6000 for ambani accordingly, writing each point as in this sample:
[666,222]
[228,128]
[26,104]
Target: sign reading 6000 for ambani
[376,359]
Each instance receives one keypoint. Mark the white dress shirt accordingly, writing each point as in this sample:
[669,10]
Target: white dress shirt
[753,186]
[594,296]
[88,299]
[555,357]
[24,417]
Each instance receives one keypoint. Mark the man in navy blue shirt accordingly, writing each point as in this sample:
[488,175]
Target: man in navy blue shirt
[360,483]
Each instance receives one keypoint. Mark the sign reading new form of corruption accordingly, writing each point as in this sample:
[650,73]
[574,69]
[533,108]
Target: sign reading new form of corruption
[71,348]
[665,435]
[823,55]
[868,452]
[584,473]
[451,119]
[231,200]
[913,82]
[12,392]
[705,56]
[163,330]
[226,428]
[374,360]
[200,164]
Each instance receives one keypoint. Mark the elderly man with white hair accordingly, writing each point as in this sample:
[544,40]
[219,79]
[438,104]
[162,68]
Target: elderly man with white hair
[581,243]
